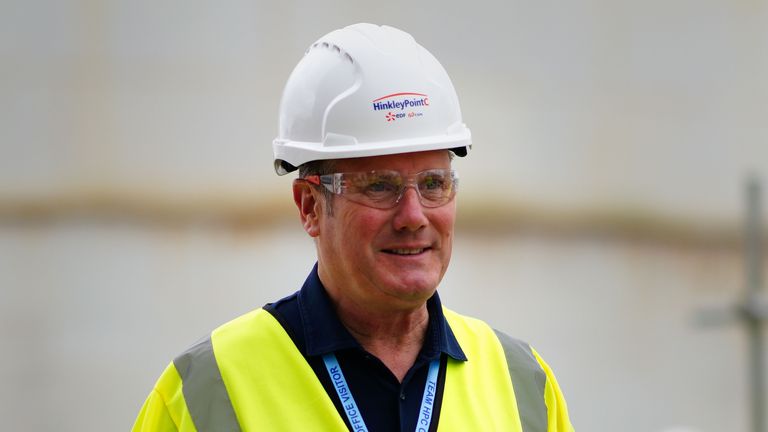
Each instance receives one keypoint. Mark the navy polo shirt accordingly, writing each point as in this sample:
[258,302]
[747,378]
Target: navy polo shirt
[386,404]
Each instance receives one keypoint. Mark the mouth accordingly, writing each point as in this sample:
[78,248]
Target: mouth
[406,251]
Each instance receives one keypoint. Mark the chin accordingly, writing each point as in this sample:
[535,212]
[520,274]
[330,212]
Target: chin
[419,288]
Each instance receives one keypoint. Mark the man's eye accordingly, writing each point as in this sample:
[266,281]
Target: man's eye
[379,187]
[433,182]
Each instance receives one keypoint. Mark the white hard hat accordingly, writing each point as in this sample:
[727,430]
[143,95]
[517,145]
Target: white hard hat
[367,90]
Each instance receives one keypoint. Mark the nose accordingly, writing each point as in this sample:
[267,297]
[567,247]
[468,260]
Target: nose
[409,213]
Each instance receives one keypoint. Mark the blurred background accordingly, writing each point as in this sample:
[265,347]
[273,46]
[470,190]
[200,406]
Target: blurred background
[600,209]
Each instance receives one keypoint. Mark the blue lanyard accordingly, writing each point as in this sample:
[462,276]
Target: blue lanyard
[350,406]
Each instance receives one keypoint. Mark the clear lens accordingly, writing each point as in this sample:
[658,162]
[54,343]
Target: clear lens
[384,189]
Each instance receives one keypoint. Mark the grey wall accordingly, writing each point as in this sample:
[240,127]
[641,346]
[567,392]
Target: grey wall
[598,210]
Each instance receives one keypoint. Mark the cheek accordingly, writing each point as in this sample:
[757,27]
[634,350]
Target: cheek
[357,227]
[444,220]
[364,220]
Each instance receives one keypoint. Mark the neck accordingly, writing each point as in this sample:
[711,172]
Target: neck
[398,329]
[393,336]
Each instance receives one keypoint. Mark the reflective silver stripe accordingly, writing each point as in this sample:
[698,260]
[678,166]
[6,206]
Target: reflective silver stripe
[528,381]
[207,398]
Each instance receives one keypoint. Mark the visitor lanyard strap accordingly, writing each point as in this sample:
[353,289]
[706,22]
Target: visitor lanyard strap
[350,407]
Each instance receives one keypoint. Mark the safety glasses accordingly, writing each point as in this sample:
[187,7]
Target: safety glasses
[383,189]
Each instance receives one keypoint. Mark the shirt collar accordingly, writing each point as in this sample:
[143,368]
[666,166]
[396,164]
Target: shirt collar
[324,332]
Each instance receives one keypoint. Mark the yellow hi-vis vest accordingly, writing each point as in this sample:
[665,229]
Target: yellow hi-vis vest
[249,376]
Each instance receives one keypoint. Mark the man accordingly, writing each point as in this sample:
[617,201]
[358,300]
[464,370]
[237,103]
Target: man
[371,121]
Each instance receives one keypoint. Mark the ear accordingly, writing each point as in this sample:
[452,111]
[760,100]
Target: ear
[310,208]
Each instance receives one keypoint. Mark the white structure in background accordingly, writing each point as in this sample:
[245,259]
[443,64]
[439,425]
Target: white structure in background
[138,207]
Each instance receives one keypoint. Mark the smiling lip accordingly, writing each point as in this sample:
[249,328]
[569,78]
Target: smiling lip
[406,251]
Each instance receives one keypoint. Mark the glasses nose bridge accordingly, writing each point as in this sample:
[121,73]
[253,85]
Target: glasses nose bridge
[408,182]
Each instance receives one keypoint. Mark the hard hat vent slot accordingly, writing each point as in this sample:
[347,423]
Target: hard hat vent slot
[332,47]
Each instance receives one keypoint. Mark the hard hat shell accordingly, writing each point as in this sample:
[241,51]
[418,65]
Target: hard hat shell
[367,90]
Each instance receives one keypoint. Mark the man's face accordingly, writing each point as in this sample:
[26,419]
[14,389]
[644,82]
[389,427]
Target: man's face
[392,258]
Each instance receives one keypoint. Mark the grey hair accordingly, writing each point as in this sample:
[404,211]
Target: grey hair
[320,167]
